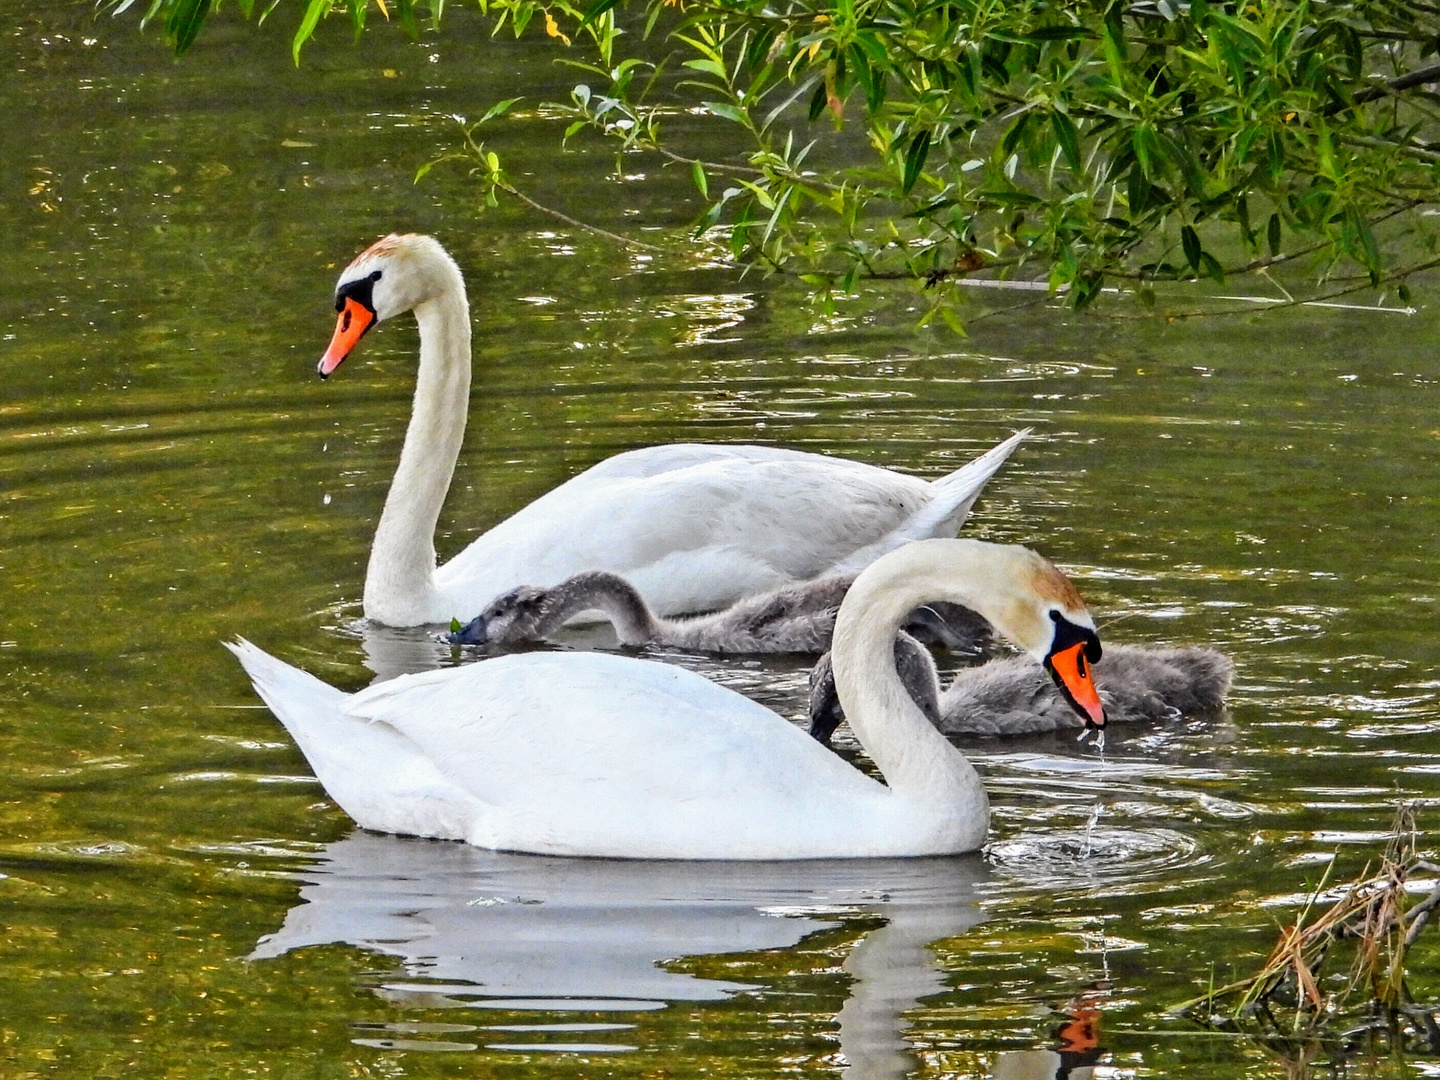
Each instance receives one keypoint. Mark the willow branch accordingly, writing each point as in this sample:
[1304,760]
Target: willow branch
[576,223]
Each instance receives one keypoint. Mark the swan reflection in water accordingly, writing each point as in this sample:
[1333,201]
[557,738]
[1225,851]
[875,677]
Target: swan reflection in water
[480,929]
[1078,1050]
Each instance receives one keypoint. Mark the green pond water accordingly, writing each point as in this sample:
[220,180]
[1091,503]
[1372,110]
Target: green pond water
[178,897]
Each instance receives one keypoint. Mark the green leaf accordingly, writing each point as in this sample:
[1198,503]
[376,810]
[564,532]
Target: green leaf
[314,12]
[1147,148]
[1068,138]
[698,172]
[1272,235]
[1190,241]
[405,11]
[595,10]
[498,109]
[1368,250]
[710,67]
[455,626]
[818,101]
[1015,133]
[1211,268]
[1087,288]
[1138,189]
[729,112]
[183,22]
[915,160]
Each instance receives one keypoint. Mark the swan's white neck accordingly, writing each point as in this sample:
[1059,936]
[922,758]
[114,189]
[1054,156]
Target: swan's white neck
[400,585]
[917,761]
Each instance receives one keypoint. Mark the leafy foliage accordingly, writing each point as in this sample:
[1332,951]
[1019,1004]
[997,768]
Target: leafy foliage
[1081,140]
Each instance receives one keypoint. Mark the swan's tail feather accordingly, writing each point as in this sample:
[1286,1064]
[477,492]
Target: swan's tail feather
[294,696]
[378,776]
[957,492]
[952,497]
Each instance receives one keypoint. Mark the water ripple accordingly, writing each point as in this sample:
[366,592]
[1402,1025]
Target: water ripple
[1045,859]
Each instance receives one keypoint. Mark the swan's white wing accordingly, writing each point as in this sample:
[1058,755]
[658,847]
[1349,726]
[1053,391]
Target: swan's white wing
[598,754]
[697,527]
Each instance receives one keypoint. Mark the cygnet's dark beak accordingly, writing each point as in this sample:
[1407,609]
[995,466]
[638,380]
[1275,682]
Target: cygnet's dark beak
[472,633]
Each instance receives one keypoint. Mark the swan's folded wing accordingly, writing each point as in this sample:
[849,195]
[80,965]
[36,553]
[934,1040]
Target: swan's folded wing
[596,730]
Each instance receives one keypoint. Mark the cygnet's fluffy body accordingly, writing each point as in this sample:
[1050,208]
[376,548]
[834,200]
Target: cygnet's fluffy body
[796,618]
[1015,696]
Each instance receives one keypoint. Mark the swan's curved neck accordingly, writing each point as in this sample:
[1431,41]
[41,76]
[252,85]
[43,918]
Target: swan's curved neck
[916,760]
[400,585]
[634,623]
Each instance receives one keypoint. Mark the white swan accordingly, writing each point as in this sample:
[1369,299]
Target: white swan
[593,754]
[694,527]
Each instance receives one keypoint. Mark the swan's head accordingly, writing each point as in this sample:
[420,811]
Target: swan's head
[1046,617]
[1023,596]
[395,274]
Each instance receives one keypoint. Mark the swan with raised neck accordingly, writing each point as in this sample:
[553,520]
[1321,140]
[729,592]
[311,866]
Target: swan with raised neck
[596,754]
[417,275]
[694,527]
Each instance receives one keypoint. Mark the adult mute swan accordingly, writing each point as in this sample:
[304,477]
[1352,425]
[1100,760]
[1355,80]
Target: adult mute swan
[794,618]
[603,755]
[693,527]
[1013,697]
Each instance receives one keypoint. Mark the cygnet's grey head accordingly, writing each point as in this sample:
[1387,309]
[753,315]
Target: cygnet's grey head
[511,617]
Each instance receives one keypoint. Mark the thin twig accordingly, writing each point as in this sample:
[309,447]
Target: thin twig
[1396,275]
[627,241]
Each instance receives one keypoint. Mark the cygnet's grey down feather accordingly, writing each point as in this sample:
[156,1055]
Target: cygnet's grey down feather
[1016,696]
[796,618]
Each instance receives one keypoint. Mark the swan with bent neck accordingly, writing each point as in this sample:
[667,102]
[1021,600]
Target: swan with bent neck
[694,527]
[796,618]
[602,755]
[1012,696]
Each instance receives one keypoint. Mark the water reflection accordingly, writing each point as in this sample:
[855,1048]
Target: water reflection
[484,930]
[1076,1054]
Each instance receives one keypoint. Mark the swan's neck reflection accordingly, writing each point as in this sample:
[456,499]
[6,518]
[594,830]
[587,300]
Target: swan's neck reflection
[477,929]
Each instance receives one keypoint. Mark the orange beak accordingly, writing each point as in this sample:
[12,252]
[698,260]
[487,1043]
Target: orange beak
[1072,674]
[355,319]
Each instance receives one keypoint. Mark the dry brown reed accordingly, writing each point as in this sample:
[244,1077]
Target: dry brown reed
[1293,999]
